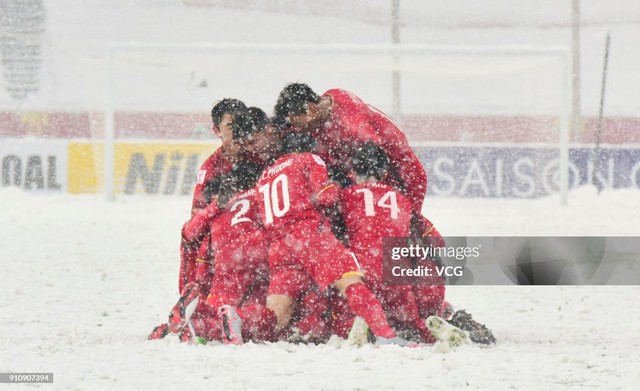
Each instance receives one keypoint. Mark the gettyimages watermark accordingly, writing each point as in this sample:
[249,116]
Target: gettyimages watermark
[585,260]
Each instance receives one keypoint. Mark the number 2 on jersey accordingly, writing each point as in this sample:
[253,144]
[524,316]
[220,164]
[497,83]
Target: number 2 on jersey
[388,201]
[244,208]
[279,188]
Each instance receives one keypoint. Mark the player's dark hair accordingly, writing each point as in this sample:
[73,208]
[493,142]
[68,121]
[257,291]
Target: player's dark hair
[227,105]
[248,122]
[293,100]
[242,176]
[246,173]
[280,124]
[259,118]
[339,176]
[228,187]
[370,161]
[297,142]
[211,188]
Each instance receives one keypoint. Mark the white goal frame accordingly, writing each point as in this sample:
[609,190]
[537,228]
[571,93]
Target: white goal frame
[392,50]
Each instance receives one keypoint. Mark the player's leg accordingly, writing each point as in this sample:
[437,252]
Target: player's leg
[287,286]
[365,305]
[251,320]
[159,331]
[265,323]
[478,332]
[189,306]
[282,307]
[184,308]
[429,299]
[340,316]
[402,310]
[192,301]
[308,323]
[288,278]
[331,263]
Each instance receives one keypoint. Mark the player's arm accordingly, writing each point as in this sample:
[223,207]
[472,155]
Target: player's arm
[366,123]
[199,202]
[204,261]
[409,169]
[425,231]
[326,193]
[215,165]
[197,226]
[383,132]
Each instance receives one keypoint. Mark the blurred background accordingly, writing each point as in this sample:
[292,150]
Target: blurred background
[483,89]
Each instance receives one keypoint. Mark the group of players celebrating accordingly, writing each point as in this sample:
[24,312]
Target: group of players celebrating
[285,237]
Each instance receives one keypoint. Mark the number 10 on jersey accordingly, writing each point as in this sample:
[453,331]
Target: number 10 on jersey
[274,194]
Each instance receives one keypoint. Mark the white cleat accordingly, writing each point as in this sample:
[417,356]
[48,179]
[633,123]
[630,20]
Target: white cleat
[231,325]
[445,332]
[359,333]
[184,308]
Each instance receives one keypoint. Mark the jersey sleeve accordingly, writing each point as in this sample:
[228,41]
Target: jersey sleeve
[354,116]
[325,192]
[215,165]
[409,169]
[423,228]
[197,225]
[363,123]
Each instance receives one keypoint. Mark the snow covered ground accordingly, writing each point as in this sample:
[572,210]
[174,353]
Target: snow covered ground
[83,281]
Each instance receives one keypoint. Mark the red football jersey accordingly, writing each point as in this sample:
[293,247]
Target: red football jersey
[353,123]
[372,211]
[217,164]
[238,223]
[289,188]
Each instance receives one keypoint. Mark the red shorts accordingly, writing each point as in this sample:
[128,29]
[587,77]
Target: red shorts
[309,247]
[240,276]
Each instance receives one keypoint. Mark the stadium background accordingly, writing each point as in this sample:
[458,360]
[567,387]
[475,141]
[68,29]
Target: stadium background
[53,89]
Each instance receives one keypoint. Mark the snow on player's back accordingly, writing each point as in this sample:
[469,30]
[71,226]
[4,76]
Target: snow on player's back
[239,218]
[373,210]
[290,189]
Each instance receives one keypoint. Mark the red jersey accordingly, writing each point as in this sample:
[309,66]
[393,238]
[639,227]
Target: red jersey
[217,164]
[371,211]
[238,223]
[303,251]
[353,123]
[193,231]
[290,189]
[240,252]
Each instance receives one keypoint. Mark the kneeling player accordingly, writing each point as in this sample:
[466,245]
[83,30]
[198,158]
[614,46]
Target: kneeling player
[372,210]
[237,272]
[303,251]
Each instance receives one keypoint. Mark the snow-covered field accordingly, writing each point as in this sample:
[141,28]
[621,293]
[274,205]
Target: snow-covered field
[83,281]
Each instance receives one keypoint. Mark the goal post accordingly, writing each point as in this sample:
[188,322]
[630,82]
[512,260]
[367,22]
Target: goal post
[487,81]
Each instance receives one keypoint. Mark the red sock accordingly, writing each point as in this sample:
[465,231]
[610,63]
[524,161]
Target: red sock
[313,328]
[429,299]
[425,334]
[365,305]
[208,328]
[258,323]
